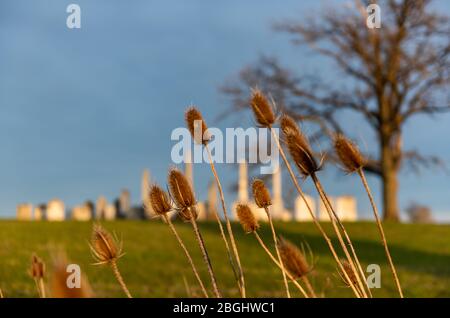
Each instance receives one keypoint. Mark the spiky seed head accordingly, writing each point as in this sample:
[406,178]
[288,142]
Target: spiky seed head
[289,125]
[301,152]
[104,247]
[197,126]
[348,153]
[59,276]
[246,218]
[261,194]
[187,214]
[180,189]
[262,109]
[159,200]
[293,259]
[37,267]
[350,273]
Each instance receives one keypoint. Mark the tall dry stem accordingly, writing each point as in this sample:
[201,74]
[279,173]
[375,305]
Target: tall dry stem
[310,211]
[275,241]
[338,226]
[206,257]
[241,281]
[381,230]
[186,252]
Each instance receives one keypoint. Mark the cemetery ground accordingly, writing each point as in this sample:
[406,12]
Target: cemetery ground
[154,265]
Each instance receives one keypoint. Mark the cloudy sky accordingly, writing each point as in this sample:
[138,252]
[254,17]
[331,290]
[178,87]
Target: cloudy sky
[83,112]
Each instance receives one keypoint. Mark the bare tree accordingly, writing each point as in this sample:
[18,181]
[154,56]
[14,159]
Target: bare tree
[391,75]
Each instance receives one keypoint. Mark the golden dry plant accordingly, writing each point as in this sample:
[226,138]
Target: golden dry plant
[250,225]
[290,128]
[303,156]
[194,119]
[37,272]
[295,262]
[59,279]
[353,161]
[106,250]
[263,200]
[183,196]
[161,206]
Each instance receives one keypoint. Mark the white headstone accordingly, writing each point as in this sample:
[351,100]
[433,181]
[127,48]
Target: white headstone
[110,212]
[24,212]
[301,209]
[56,210]
[346,208]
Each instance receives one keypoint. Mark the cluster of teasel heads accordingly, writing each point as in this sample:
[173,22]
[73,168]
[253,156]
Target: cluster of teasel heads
[180,198]
[304,159]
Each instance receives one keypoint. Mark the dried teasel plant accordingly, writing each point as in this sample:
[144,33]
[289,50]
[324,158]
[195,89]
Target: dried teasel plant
[289,127]
[348,153]
[300,151]
[263,200]
[247,218]
[349,272]
[59,279]
[353,161]
[193,117]
[303,156]
[295,262]
[197,126]
[107,249]
[37,272]
[251,226]
[161,205]
[184,199]
[262,109]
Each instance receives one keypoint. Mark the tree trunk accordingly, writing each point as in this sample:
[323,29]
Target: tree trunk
[389,175]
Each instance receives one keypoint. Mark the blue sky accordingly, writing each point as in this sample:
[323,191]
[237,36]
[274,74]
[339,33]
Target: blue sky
[83,112]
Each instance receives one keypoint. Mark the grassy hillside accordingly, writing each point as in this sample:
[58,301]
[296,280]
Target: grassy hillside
[154,265]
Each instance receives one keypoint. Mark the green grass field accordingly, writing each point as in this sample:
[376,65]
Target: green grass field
[154,265]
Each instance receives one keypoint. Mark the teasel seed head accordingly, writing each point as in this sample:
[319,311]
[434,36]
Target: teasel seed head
[289,125]
[37,267]
[182,194]
[348,153]
[261,194]
[105,248]
[159,200]
[197,126]
[301,152]
[350,273]
[262,109]
[187,214]
[293,259]
[246,218]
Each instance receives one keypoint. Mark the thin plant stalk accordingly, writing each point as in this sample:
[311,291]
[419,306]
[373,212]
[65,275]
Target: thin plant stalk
[40,287]
[335,221]
[119,278]
[309,286]
[206,258]
[241,282]
[186,252]
[316,222]
[186,286]
[272,257]
[275,240]
[380,228]
[1,294]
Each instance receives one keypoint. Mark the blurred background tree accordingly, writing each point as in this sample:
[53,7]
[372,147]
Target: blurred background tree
[392,74]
